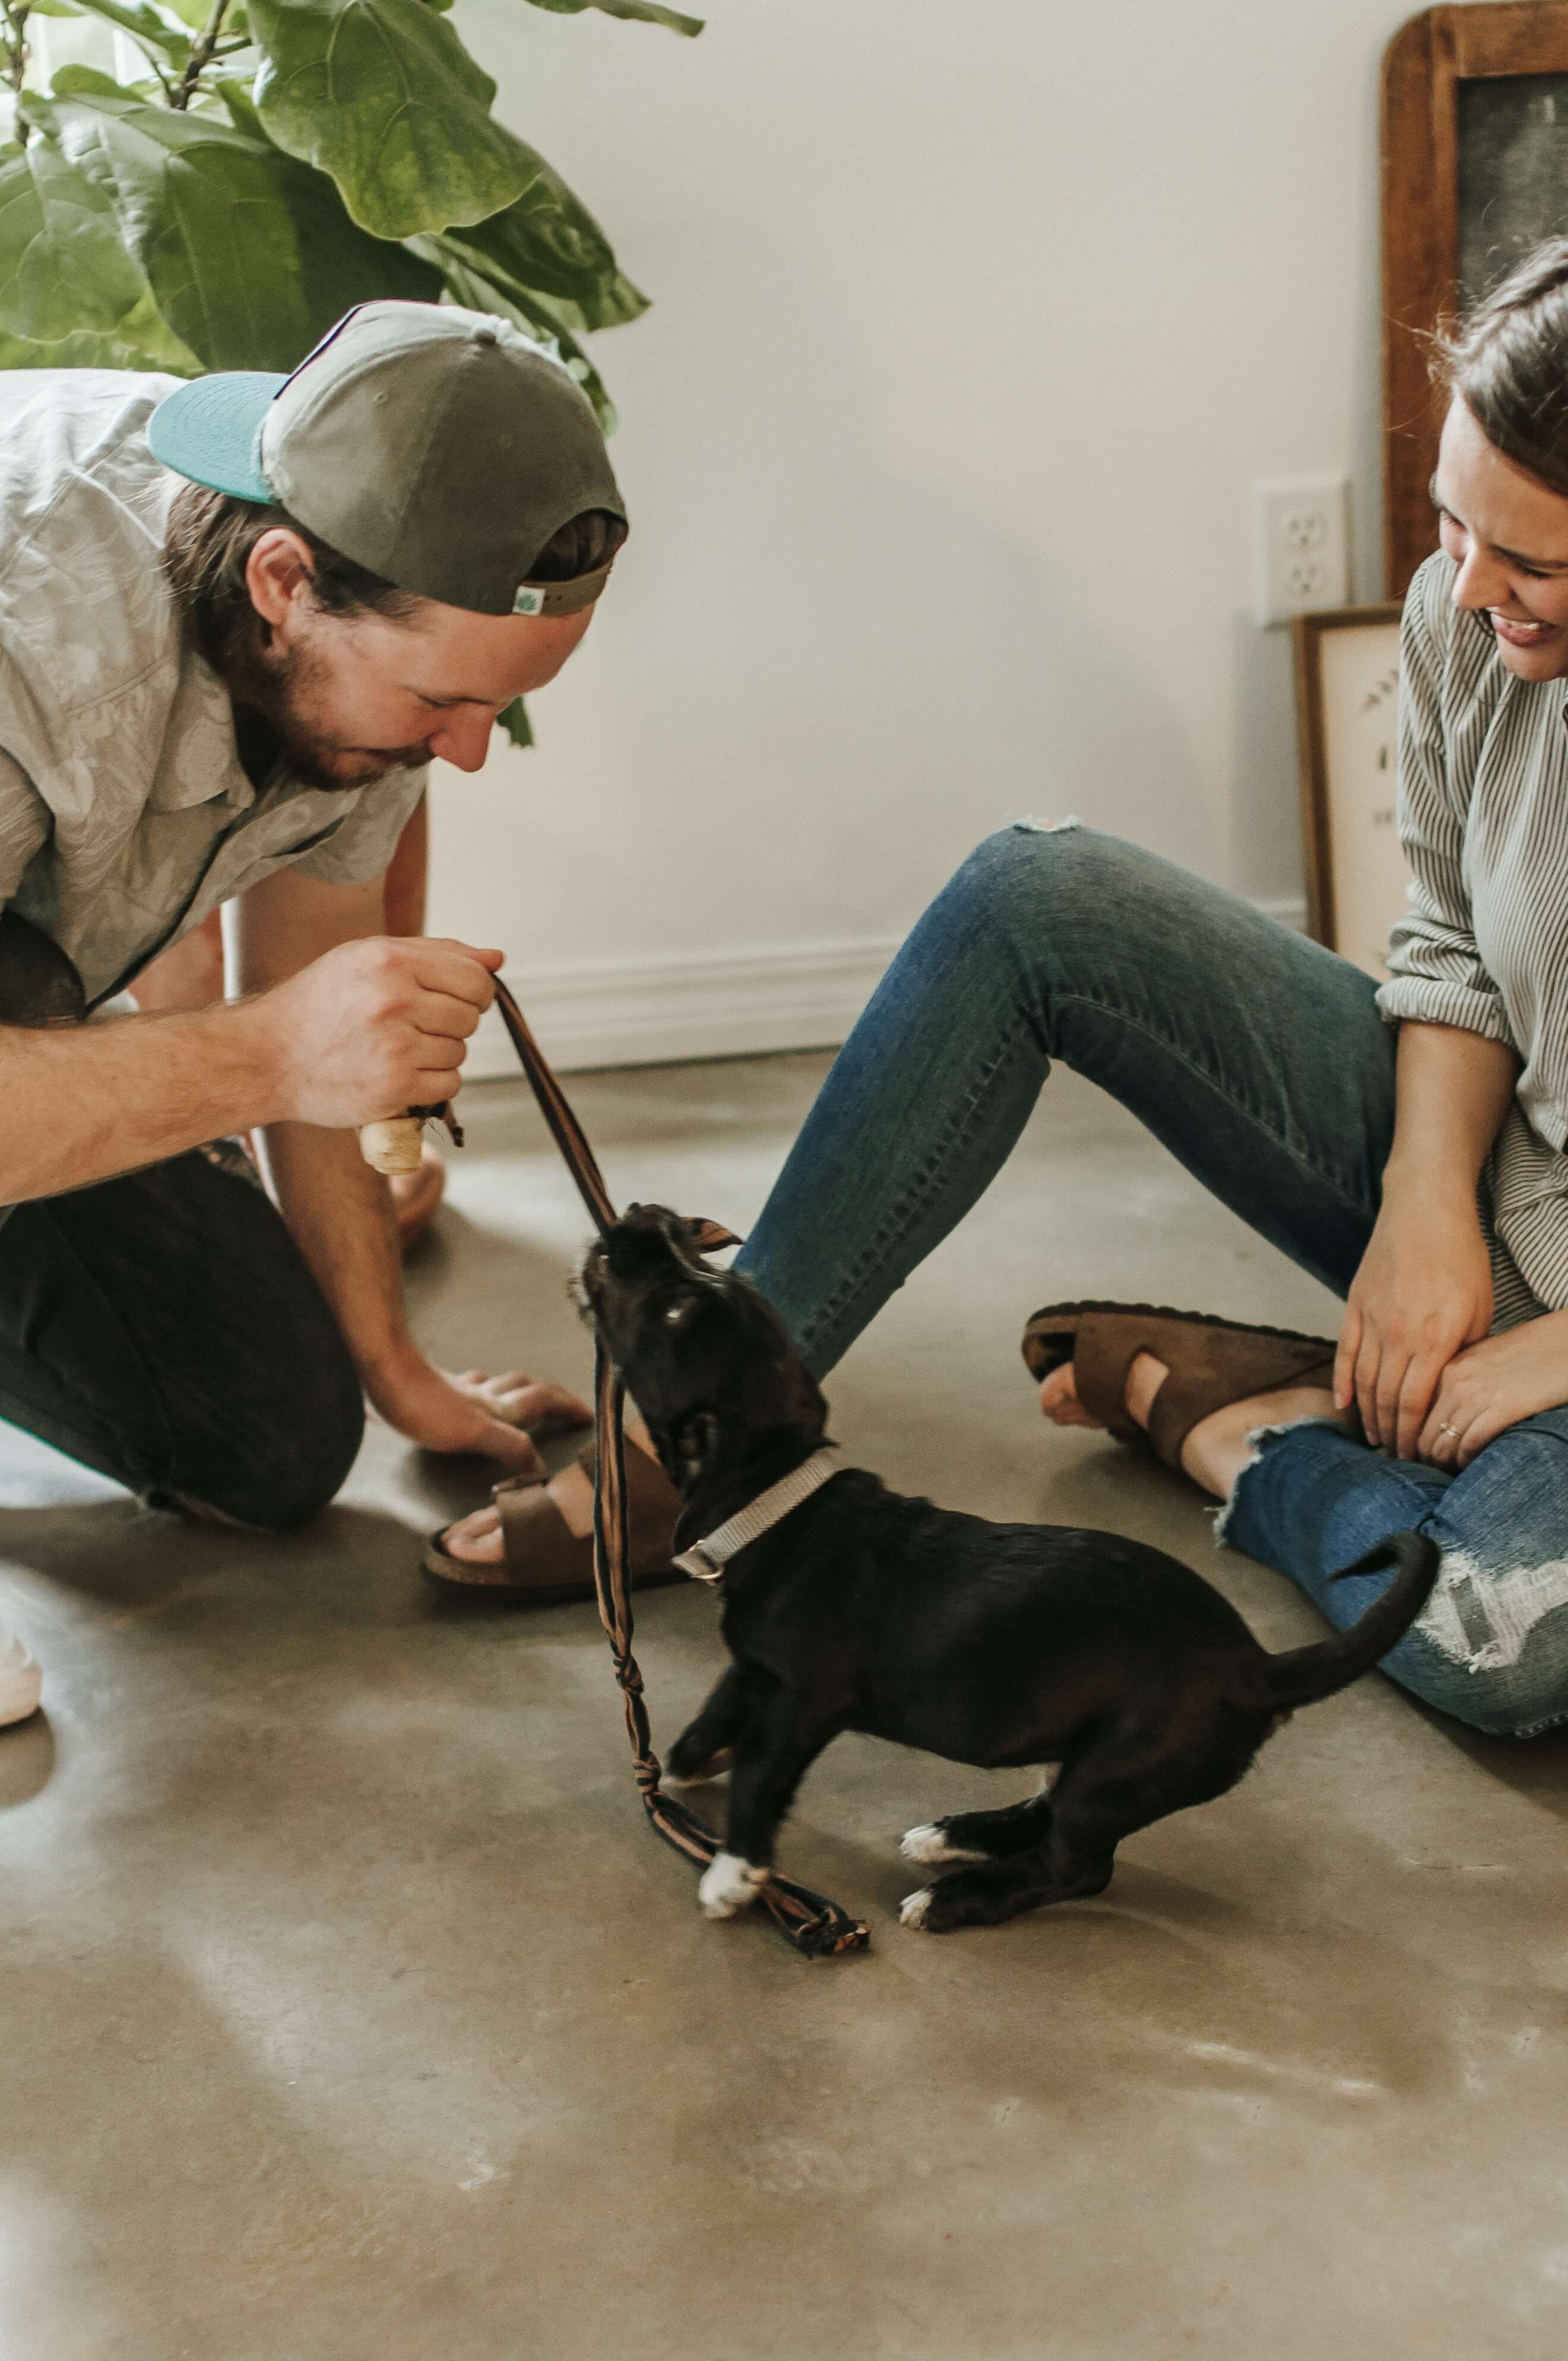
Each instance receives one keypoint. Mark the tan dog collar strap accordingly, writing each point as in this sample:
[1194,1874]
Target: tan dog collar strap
[706,1560]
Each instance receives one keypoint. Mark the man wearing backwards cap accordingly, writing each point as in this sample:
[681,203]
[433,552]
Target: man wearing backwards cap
[237,621]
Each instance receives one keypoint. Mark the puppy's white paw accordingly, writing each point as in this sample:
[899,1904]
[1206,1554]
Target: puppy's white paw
[930,1843]
[916,1908]
[729,1883]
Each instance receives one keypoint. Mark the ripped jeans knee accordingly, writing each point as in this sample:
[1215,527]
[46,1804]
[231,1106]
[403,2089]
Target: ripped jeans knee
[1491,1644]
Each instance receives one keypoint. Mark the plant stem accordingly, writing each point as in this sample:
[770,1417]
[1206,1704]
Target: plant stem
[206,42]
[13,38]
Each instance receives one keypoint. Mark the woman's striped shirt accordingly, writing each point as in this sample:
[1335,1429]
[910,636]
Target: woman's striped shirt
[1484,822]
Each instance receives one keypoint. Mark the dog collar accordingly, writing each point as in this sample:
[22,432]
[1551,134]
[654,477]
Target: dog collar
[706,1560]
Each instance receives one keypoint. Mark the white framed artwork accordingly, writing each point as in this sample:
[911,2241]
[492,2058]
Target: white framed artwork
[1347,701]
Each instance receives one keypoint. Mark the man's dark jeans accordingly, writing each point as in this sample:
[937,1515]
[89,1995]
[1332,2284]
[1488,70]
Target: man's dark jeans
[164,1328]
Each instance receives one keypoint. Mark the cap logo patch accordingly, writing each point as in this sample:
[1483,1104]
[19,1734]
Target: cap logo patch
[527,602]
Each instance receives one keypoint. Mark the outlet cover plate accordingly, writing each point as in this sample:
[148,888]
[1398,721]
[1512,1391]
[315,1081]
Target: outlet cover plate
[1300,533]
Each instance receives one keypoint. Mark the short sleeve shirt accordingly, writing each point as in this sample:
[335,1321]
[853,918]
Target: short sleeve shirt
[126,814]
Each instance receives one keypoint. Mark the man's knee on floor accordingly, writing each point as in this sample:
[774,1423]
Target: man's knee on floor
[287,1466]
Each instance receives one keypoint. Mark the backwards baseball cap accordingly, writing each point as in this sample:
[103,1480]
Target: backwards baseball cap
[436,447]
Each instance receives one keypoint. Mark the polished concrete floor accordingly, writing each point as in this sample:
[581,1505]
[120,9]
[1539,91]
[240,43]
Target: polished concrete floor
[347,2008]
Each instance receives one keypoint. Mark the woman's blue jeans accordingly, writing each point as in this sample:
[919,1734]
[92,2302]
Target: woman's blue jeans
[1261,1062]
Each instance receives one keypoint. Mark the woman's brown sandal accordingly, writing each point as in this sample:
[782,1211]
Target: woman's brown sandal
[544,1561]
[1212,1364]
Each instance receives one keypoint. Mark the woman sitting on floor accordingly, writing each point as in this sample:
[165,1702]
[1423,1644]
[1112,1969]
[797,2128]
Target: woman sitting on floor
[1405,1145]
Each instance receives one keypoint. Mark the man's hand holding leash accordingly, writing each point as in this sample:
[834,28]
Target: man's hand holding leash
[373,1026]
[359,1031]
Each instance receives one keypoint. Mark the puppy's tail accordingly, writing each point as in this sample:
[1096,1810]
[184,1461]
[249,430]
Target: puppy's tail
[1302,1676]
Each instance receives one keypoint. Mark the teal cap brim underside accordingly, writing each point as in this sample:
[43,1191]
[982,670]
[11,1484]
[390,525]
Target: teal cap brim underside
[210,431]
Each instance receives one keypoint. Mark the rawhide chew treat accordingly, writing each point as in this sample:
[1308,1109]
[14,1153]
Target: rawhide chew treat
[392,1147]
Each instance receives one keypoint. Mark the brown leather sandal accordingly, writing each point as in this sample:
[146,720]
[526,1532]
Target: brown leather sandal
[1212,1364]
[544,1562]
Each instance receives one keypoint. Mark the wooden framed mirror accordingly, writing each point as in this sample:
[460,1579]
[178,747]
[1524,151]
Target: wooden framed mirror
[1474,173]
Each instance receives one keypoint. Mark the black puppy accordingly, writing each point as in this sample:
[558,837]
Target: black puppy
[860,1609]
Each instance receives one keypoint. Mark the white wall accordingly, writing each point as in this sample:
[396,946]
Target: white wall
[974,320]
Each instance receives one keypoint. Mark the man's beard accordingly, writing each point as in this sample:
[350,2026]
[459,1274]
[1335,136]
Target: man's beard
[271,686]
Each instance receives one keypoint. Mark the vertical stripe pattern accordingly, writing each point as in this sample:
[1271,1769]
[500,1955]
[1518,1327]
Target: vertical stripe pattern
[1484,944]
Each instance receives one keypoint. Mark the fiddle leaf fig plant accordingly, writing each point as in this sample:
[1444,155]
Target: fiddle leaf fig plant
[253,169]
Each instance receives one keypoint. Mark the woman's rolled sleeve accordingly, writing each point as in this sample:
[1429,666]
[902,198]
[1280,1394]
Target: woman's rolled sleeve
[1428,1000]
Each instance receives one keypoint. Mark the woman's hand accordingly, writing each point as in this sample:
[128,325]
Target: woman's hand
[1492,1385]
[1424,1289]
[1423,1293]
[495,1415]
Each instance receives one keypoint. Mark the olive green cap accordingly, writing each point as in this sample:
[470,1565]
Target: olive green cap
[437,446]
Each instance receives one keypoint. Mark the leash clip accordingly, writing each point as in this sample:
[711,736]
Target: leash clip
[697,1562]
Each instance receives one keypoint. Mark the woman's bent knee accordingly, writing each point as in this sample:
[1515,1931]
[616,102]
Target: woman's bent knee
[1049,902]
[1095,903]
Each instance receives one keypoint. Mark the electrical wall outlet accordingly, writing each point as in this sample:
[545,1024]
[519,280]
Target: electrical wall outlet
[1300,531]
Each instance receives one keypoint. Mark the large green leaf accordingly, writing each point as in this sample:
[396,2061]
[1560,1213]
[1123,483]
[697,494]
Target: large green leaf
[250,255]
[382,94]
[155,28]
[62,264]
[140,340]
[546,240]
[641,12]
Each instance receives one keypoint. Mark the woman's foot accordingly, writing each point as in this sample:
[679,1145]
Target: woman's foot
[1216,1449]
[21,1682]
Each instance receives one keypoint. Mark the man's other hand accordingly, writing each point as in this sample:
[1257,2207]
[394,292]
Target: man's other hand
[494,1415]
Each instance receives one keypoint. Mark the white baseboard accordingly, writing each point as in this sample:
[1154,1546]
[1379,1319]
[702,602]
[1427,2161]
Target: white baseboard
[737,1002]
[1291,912]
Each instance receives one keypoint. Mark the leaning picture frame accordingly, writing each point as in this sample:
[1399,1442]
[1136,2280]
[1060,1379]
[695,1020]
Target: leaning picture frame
[1475,162]
[1347,697]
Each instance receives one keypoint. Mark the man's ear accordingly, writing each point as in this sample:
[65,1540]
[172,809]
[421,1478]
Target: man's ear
[278,574]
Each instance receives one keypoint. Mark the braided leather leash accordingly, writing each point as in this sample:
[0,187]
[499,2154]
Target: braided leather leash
[817,1926]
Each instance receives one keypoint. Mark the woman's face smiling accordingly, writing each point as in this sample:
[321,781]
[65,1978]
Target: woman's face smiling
[1508,534]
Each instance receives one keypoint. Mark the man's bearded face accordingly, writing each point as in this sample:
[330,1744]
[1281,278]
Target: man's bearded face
[298,692]
[352,697]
